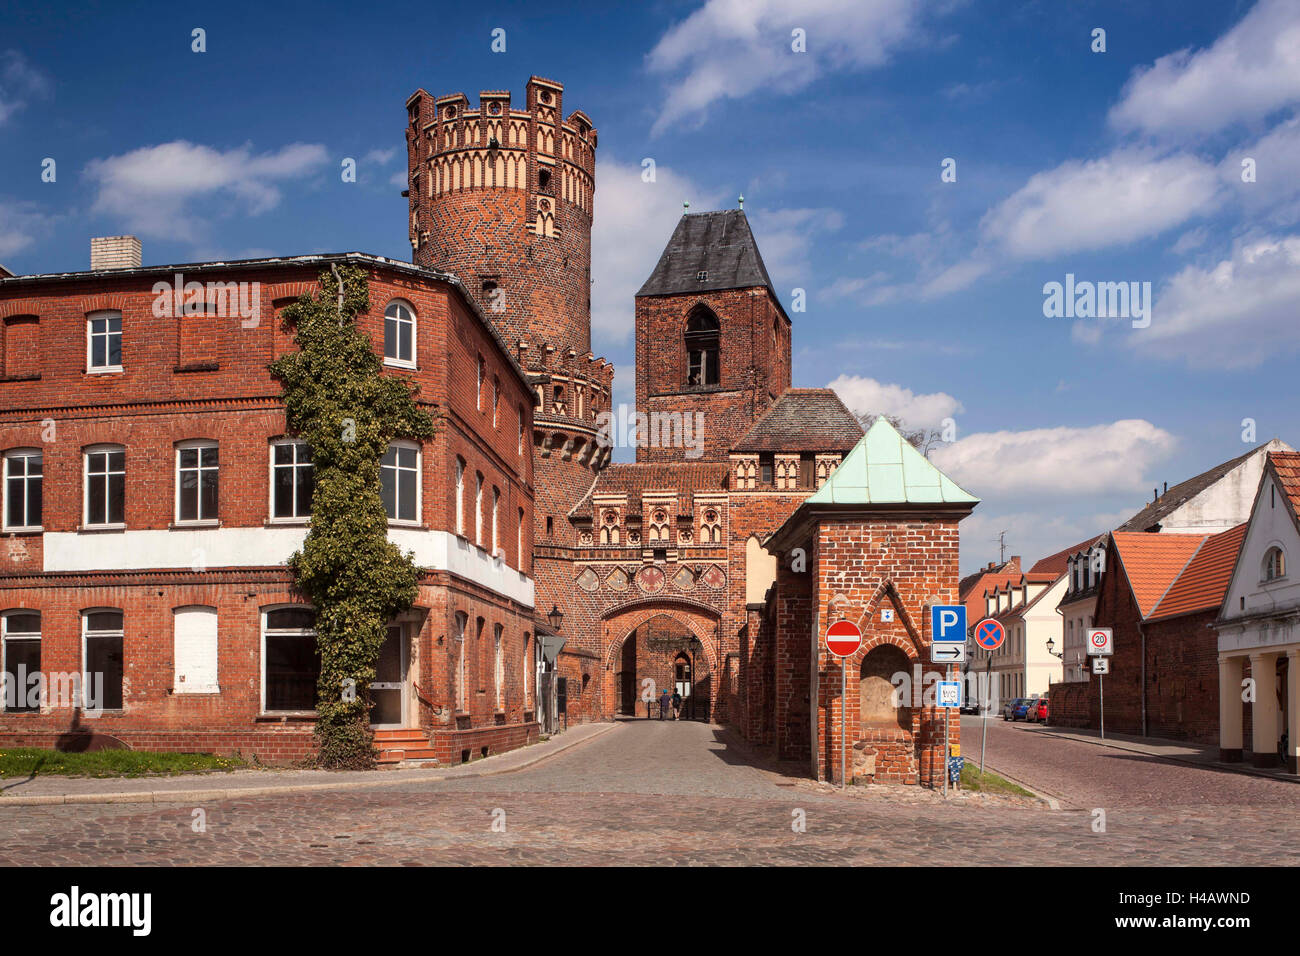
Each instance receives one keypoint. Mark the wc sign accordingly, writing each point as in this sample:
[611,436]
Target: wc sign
[948,624]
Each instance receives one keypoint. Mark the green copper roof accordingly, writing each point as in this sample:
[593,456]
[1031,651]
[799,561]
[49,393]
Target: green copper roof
[884,469]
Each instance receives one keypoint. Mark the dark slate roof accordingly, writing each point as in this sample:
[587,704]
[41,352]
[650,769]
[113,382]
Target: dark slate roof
[634,479]
[719,243]
[1151,516]
[804,419]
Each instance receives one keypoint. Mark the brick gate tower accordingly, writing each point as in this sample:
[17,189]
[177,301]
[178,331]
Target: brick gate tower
[503,198]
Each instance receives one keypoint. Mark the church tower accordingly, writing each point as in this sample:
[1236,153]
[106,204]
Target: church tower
[503,199]
[711,335]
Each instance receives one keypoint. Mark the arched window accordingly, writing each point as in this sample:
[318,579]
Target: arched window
[1274,564]
[399,334]
[702,347]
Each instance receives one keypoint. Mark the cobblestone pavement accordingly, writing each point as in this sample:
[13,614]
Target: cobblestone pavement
[645,793]
[1086,775]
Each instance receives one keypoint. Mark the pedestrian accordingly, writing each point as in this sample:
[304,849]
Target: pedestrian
[677,704]
[664,703]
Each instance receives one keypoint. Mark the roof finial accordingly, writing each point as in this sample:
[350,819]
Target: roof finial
[742,201]
[686,206]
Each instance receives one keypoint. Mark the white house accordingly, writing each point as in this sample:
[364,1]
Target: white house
[1259,625]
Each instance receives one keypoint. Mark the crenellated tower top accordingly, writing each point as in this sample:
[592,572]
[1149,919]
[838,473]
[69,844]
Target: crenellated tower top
[503,198]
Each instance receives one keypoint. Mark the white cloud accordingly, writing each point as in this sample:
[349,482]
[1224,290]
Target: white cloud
[1275,193]
[20,83]
[867,396]
[728,49]
[1232,314]
[380,157]
[1096,460]
[785,238]
[21,224]
[1248,73]
[152,188]
[1117,199]
[1030,534]
[634,220]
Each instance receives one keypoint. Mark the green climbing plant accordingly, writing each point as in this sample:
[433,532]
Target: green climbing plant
[347,411]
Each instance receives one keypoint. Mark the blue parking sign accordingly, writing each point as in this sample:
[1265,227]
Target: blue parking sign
[948,624]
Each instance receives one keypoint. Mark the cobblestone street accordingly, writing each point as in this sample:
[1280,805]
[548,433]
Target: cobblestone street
[664,793]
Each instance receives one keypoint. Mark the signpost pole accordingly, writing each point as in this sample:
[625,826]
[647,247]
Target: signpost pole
[946,749]
[844,722]
[984,712]
[1101,691]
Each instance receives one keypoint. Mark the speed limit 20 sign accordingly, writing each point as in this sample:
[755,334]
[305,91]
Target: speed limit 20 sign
[1101,641]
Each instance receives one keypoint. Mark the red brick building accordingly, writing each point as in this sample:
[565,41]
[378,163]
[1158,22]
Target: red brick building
[1160,594]
[153,494]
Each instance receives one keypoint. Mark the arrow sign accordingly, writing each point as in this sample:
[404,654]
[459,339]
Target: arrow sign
[947,653]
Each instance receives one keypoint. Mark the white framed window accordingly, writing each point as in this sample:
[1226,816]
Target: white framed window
[496,510]
[499,667]
[23,478]
[194,650]
[478,509]
[104,484]
[290,659]
[104,341]
[196,481]
[399,482]
[462,678]
[293,481]
[460,496]
[102,656]
[20,644]
[399,334]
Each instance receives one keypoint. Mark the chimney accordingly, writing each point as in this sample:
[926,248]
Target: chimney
[114,252]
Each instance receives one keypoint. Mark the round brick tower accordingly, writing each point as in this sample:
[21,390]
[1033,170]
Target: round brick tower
[503,199]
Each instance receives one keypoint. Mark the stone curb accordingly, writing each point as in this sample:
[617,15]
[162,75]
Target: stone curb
[1204,764]
[233,793]
[1051,801]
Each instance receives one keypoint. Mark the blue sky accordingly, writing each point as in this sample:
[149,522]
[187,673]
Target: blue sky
[925,298]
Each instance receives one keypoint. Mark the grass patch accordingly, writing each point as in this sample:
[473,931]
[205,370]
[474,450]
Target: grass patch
[991,782]
[35,762]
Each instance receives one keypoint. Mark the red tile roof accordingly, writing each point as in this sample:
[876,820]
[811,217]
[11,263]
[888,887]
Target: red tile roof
[1204,582]
[1287,466]
[1154,561]
[804,419]
[1056,563]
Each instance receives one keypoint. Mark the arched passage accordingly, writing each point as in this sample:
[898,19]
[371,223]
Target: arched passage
[657,647]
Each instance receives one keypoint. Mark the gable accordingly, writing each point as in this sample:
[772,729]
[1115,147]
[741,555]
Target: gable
[1272,523]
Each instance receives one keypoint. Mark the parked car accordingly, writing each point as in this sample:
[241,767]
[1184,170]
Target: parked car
[1040,711]
[1021,710]
[1010,706]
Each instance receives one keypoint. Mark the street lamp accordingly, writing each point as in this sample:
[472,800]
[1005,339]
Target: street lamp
[1050,645]
[556,617]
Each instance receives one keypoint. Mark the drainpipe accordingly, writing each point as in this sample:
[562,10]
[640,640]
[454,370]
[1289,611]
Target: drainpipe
[1142,629]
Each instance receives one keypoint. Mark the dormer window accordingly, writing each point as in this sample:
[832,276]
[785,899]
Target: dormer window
[702,347]
[702,275]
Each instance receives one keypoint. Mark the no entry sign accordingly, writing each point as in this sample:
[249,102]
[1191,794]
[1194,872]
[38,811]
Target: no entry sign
[843,638]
